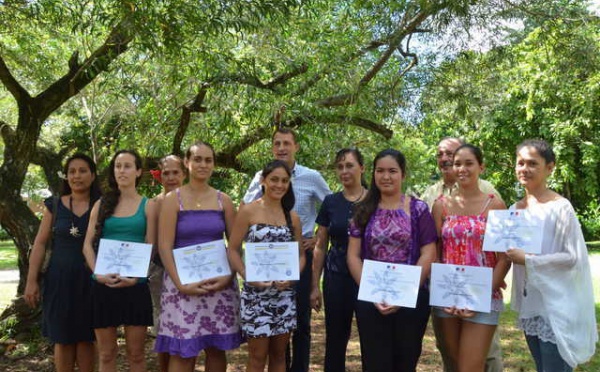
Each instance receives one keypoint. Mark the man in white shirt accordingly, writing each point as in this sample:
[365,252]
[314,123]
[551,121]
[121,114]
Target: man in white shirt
[310,190]
[447,186]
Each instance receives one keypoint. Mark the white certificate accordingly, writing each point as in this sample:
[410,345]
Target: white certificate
[465,287]
[393,284]
[198,262]
[517,228]
[272,261]
[123,258]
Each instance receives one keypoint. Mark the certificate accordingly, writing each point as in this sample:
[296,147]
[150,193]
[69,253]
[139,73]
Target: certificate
[393,284]
[123,258]
[465,287]
[272,261]
[518,228]
[201,261]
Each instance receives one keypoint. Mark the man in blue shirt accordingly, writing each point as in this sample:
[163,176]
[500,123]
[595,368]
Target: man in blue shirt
[310,190]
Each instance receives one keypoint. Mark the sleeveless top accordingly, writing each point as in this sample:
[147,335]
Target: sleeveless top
[130,228]
[462,238]
[188,233]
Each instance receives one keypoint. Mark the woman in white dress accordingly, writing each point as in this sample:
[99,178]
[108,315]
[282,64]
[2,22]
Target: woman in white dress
[552,291]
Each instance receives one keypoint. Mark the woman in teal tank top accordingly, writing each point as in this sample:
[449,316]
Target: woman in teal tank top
[121,214]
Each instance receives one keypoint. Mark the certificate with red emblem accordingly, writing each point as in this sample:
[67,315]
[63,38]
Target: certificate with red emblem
[463,287]
[389,283]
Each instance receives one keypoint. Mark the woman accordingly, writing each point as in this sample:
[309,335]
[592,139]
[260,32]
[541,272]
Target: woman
[67,320]
[552,291]
[268,309]
[121,214]
[460,221]
[171,174]
[203,315]
[340,289]
[390,227]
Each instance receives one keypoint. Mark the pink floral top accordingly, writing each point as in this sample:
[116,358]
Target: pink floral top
[462,243]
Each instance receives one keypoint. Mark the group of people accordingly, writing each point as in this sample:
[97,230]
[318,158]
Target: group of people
[285,202]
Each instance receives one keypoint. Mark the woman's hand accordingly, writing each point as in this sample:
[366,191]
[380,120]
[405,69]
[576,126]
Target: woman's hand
[282,284]
[461,313]
[32,293]
[216,284]
[193,289]
[316,299]
[116,280]
[260,284]
[516,256]
[386,309]
[124,281]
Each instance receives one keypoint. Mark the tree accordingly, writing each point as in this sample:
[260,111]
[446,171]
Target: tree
[544,86]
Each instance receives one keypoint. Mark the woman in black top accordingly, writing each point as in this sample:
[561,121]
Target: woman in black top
[339,289]
[66,299]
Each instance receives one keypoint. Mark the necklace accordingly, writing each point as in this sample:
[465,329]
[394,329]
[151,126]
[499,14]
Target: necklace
[362,192]
[74,230]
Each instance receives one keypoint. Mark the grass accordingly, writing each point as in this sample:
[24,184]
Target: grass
[8,255]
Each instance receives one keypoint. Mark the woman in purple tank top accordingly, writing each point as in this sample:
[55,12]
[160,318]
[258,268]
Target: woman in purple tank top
[202,315]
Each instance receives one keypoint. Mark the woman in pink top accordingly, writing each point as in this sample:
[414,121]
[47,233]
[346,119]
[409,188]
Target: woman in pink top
[460,220]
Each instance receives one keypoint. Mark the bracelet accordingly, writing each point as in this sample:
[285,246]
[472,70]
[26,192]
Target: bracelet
[93,276]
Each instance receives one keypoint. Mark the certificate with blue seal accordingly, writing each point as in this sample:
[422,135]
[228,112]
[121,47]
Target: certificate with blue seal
[199,262]
[267,261]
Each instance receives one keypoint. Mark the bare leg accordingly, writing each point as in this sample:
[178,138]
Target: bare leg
[258,350]
[277,346]
[106,339]
[163,361]
[64,357]
[177,363]
[451,334]
[85,355]
[216,360]
[475,342]
[135,337]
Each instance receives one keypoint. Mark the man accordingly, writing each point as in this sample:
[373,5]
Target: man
[310,190]
[447,186]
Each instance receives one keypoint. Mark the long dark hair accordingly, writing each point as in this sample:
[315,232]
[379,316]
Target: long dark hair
[111,198]
[367,207]
[95,190]
[341,155]
[289,199]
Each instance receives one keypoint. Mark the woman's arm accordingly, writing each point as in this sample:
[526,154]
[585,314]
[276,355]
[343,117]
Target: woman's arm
[283,284]
[427,257]
[36,258]
[229,211]
[88,250]
[238,232]
[354,260]
[437,212]
[318,262]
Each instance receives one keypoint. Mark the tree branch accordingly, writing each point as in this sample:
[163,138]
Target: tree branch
[407,27]
[362,123]
[254,81]
[80,75]
[12,85]
[186,114]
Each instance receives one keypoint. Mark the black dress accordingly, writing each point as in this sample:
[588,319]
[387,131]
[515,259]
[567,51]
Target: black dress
[66,303]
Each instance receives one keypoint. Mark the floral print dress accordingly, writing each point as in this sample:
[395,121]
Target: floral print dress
[268,312]
[462,238]
[190,324]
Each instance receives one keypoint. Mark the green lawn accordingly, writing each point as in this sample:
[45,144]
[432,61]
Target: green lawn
[8,255]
